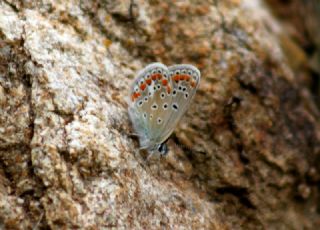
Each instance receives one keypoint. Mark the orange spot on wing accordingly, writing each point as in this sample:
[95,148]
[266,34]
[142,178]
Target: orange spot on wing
[164,82]
[183,77]
[135,95]
[176,77]
[143,86]
[156,76]
[187,77]
[148,81]
[193,84]
[168,89]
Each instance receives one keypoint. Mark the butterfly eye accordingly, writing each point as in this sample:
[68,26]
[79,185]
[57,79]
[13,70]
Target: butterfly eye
[163,149]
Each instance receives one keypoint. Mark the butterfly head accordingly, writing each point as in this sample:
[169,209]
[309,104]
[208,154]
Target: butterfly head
[161,149]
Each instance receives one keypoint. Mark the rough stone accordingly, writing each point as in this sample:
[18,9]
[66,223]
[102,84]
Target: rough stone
[245,156]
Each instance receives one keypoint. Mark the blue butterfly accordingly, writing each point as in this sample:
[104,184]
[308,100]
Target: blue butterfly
[160,96]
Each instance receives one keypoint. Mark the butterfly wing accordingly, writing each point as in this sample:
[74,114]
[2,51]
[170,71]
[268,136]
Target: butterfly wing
[185,81]
[149,103]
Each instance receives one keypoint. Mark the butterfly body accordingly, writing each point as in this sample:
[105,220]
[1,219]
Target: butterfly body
[160,95]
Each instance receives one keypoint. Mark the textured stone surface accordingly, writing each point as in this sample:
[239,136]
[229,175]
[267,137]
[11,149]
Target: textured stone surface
[245,156]
[300,39]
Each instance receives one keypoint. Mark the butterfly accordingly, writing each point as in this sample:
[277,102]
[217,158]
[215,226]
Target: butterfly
[160,95]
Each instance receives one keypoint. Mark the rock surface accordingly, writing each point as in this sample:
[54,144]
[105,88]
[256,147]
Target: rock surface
[245,156]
